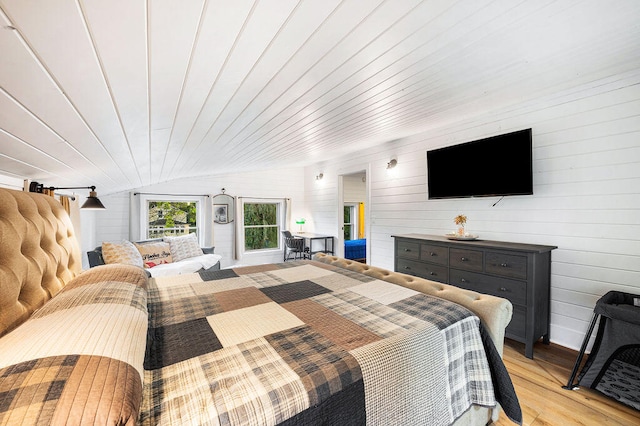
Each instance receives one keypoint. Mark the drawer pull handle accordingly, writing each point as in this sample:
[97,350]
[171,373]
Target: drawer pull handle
[432,273]
[503,289]
[504,265]
[464,259]
[407,249]
[432,254]
[462,280]
[407,267]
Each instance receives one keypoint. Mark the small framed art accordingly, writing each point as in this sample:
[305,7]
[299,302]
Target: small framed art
[220,213]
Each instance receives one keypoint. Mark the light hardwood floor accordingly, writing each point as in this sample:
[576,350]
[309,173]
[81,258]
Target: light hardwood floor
[538,384]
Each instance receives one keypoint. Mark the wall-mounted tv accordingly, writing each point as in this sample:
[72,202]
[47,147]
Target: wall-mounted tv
[495,166]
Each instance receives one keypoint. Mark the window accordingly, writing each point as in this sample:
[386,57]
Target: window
[350,221]
[261,226]
[171,218]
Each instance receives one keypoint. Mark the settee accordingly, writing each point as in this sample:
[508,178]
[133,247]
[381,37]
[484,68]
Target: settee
[87,347]
[159,256]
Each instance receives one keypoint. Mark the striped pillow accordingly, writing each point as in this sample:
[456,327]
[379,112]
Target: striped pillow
[184,247]
[123,252]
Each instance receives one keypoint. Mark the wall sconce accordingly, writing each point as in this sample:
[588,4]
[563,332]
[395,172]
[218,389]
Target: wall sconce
[391,164]
[319,177]
[92,202]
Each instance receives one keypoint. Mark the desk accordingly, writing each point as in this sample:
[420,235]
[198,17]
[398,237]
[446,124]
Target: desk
[309,238]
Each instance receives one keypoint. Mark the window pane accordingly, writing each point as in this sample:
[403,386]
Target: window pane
[260,214]
[171,218]
[259,238]
[347,232]
[261,229]
[347,214]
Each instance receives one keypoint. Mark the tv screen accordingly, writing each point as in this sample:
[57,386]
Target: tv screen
[495,166]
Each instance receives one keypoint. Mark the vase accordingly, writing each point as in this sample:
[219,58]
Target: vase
[461,230]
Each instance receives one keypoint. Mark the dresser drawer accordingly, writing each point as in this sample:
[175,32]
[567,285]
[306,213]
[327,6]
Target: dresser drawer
[434,254]
[506,265]
[513,290]
[408,250]
[423,270]
[470,260]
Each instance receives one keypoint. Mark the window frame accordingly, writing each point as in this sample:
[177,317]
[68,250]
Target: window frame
[200,212]
[353,212]
[280,212]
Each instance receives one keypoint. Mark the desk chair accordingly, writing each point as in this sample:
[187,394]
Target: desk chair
[294,246]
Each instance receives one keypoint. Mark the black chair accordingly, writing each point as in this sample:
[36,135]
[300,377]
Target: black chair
[294,246]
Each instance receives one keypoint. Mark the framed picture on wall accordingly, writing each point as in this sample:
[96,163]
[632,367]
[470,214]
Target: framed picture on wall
[220,213]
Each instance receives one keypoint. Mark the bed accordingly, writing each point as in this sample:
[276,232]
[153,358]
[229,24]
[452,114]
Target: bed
[356,250]
[323,341]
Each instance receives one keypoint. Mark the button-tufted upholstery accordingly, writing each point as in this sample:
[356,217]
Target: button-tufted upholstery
[39,254]
[494,312]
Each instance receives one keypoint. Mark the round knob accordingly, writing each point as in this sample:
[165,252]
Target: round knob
[432,273]
[407,249]
[432,254]
[462,280]
[504,265]
[406,267]
[503,289]
[464,259]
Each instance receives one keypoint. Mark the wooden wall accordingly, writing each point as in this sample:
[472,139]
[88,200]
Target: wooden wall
[11,182]
[113,223]
[586,193]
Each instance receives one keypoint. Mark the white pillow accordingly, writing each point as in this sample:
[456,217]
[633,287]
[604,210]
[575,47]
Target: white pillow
[123,252]
[184,247]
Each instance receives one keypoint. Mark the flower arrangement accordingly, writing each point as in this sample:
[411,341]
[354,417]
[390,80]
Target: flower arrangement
[460,220]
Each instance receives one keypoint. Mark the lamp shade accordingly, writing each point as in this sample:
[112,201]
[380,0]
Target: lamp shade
[93,202]
[300,221]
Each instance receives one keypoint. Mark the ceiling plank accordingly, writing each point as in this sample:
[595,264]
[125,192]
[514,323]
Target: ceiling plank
[118,30]
[55,44]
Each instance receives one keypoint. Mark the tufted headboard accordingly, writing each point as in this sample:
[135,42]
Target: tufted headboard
[39,254]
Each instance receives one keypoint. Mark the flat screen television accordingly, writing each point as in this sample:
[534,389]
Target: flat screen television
[496,166]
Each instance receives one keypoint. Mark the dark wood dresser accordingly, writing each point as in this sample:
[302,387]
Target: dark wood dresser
[518,272]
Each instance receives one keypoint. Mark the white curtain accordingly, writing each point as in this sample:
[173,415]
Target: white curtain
[72,206]
[287,214]
[134,217]
[238,239]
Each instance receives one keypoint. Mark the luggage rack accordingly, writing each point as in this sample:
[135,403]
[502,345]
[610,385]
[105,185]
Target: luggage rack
[613,366]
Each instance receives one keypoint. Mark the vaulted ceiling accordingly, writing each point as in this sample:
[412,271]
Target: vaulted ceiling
[125,93]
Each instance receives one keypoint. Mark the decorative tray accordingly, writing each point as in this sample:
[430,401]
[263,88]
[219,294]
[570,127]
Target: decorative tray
[467,237]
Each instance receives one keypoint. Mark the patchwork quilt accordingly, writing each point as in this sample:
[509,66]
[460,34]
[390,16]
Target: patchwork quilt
[79,359]
[308,343]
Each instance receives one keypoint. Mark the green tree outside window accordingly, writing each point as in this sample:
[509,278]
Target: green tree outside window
[261,228]
[348,224]
[167,218]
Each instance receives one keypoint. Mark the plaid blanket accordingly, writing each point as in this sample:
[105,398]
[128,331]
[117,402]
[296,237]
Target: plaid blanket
[305,342]
[79,359]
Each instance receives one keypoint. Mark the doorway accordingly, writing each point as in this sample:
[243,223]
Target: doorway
[353,216]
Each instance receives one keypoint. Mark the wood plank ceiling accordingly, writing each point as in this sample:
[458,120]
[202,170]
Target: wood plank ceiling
[126,93]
